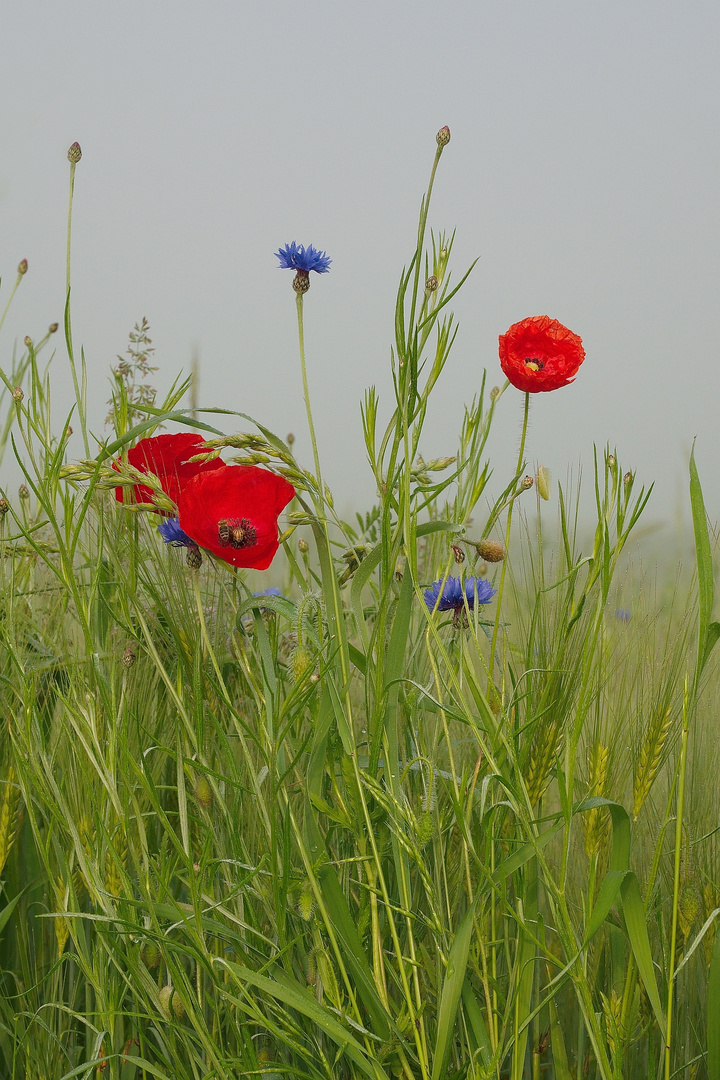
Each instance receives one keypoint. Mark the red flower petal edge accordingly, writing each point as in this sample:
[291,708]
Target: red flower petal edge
[539,353]
[166,457]
[234,514]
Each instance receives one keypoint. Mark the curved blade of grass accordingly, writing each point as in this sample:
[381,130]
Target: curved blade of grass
[703,551]
[291,993]
[451,991]
[713,1014]
[636,924]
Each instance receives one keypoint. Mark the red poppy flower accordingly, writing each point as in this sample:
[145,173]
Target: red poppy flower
[234,514]
[540,353]
[166,456]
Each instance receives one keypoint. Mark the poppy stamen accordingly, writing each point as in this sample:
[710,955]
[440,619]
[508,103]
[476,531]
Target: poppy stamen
[236,533]
[534,364]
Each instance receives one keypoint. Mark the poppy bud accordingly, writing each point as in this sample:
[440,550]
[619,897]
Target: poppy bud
[302,661]
[168,998]
[443,136]
[150,955]
[301,282]
[52,328]
[431,284]
[490,550]
[74,153]
[22,267]
[128,658]
[204,792]
[527,483]
[290,438]
[543,482]
[18,395]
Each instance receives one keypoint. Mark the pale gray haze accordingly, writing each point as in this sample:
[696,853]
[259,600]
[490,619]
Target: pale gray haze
[583,171]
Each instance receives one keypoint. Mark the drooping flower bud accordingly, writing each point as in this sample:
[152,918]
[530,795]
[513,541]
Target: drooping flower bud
[542,480]
[443,136]
[23,267]
[301,662]
[74,153]
[204,792]
[150,955]
[490,550]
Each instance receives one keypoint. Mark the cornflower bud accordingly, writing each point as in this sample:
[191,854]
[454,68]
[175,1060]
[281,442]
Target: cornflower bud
[627,478]
[495,393]
[527,483]
[611,461]
[22,267]
[53,328]
[443,136]
[303,546]
[18,394]
[458,553]
[28,341]
[543,482]
[431,284]
[3,507]
[128,658]
[74,153]
[23,491]
[290,438]
[193,557]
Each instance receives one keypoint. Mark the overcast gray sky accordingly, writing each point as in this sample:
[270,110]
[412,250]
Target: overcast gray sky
[583,171]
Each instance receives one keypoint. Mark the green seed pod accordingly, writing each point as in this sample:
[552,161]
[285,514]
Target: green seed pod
[306,902]
[169,1000]
[490,550]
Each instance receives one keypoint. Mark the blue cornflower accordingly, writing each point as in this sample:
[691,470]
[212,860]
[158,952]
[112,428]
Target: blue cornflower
[169,529]
[272,591]
[623,615]
[447,594]
[297,257]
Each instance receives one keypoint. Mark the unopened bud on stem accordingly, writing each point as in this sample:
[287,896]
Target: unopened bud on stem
[74,153]
[443,136]
[18,395]
[527,483]
[22,267]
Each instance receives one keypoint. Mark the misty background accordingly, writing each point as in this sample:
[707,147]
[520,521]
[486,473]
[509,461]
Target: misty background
[582,171]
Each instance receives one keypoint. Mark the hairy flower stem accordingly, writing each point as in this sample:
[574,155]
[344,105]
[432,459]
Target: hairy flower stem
[80,392]
[676,875]
[498,604]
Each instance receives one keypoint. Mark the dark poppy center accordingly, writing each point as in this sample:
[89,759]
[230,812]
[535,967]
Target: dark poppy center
[534,363]
[236,533]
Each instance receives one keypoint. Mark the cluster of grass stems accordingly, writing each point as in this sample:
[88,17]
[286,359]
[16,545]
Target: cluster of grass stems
[331,834]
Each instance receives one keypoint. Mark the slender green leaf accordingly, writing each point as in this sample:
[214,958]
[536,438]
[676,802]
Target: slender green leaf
[713,1014]
[451,991]
[636,923]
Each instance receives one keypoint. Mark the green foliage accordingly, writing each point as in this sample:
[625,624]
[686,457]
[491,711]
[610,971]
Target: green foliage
[333,833]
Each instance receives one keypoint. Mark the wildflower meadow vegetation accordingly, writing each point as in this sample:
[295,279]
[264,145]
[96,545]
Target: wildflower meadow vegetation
[429,793]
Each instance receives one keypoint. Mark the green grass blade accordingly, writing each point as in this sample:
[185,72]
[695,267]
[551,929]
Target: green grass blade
[713,1014]
[636,923]
[451,991]
[703,552]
